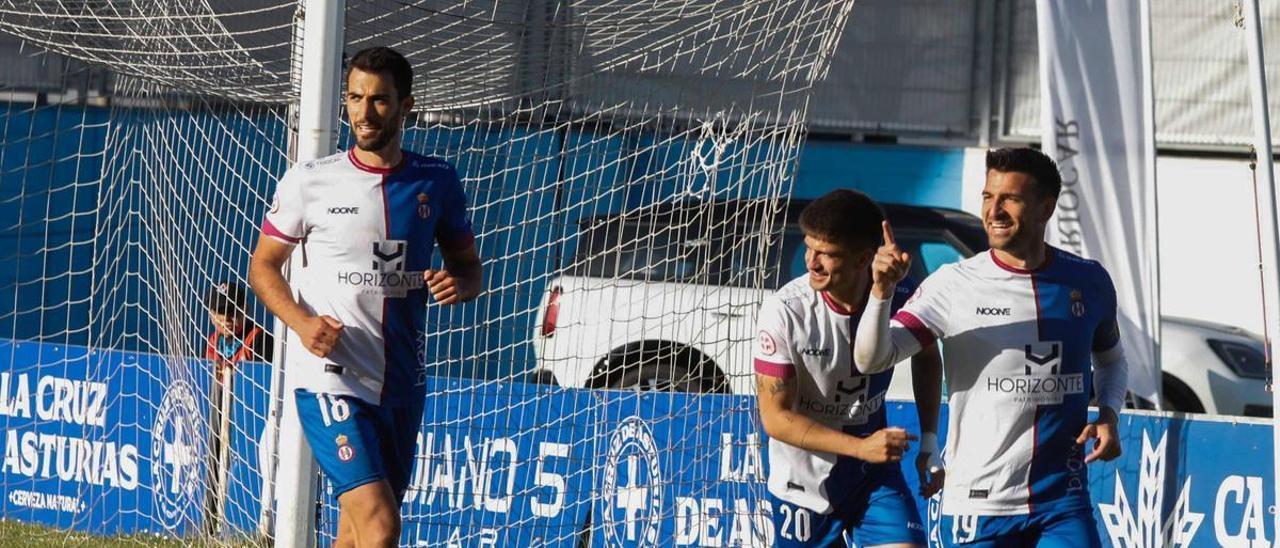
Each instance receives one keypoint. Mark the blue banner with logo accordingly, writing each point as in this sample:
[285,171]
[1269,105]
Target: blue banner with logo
[119,443]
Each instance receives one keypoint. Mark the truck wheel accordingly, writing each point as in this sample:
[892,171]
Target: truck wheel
[1179,397]
[659,377]
[660,368]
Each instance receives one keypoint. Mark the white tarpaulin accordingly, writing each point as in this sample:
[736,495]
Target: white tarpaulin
[1095,121]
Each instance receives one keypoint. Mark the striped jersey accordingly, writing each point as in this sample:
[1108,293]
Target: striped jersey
[366,235]
[803,333]
[1017,352]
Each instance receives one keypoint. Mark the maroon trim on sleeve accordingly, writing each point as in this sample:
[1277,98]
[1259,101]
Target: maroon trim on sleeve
[916,327]
[271,230]
[770,369]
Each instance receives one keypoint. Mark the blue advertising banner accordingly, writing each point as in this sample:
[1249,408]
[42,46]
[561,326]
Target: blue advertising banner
[118,443]
[500,464]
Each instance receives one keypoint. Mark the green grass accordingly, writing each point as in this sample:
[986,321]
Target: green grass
[14,534]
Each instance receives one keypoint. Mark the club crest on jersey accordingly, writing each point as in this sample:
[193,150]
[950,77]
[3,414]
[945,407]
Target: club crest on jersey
[915,295]
[767,345]
[345,451]
[1077,303]
[275,204]
[424,210]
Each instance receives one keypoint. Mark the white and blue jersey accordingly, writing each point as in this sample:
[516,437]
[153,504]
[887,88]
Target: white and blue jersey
[802,333]
[1017,352]
[365,236]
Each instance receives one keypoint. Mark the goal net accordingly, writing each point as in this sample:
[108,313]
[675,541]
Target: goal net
[627,165]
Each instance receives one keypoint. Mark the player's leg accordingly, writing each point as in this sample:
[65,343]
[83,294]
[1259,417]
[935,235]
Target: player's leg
[887,516]
[346,532]
[400,445]
[374,515]
[399,436]
[345,435]
[795,526]
[1071,529]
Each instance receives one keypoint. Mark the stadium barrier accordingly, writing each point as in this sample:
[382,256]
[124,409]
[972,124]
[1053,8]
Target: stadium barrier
[81,452]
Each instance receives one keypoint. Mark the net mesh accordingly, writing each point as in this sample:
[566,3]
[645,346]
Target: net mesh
[625,162]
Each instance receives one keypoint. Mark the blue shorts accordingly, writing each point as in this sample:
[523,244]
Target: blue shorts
[882,513]
[1073,528]
[356,442]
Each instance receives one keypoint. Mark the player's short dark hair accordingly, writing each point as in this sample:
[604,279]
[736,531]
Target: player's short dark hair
[845,217]
[1031,162]
[381,59]
[226,298]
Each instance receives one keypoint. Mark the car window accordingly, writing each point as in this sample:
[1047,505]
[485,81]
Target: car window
[745,259]
[930,249]
[935,254]
[732,256]
[667,254]
[685,253]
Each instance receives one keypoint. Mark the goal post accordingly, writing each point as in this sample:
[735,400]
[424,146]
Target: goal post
[319,87]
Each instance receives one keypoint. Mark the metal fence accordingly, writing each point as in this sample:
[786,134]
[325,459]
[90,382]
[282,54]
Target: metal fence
[961,71]
[1198,62]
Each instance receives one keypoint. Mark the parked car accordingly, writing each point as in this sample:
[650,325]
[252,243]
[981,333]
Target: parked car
[1213,368]
[665,298]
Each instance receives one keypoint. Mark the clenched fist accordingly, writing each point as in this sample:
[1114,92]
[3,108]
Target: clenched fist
[885,445]
[320,334]
[442,285]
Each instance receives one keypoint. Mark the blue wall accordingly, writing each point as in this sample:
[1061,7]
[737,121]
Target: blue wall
[891,173]
[97,206]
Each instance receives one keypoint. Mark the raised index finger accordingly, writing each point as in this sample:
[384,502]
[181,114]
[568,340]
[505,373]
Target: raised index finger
[888,233]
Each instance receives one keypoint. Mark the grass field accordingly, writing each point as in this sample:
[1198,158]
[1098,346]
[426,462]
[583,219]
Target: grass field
[21,535]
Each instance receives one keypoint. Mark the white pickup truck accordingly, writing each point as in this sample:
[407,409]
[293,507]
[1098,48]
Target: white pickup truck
[665,298]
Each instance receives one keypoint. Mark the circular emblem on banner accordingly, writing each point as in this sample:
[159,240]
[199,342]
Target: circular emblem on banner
[767,344]
[177,456]
[632,490]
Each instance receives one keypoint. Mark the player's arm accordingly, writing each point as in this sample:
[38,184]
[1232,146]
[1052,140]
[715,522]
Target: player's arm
[926,383]
[775,397]
[1110,387]
[1110,383]
[878,344]
[462,277]
[318,333]
[1110,379]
